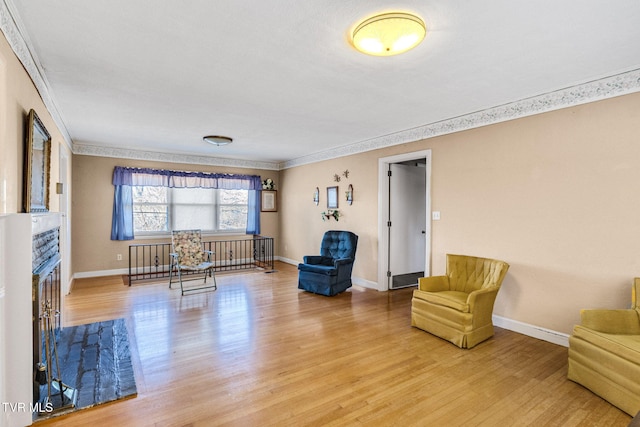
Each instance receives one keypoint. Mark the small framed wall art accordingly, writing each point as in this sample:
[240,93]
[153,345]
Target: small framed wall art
[269,201]
[332,197]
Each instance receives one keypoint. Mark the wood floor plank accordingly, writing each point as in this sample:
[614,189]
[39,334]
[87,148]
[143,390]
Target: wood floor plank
[260,352]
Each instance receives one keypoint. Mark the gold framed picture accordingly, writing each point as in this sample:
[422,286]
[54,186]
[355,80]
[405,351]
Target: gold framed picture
[37,163]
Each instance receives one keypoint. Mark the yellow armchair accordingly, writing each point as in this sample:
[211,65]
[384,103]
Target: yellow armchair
[458,307]
[604,353]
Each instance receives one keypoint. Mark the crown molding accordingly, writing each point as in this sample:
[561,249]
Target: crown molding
[80,148]
[13,30]
[609,87]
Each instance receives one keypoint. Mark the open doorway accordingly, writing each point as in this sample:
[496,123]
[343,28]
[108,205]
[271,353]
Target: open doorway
[404,229]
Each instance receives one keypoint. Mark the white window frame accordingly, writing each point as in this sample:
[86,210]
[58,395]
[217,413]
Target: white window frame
[170,209]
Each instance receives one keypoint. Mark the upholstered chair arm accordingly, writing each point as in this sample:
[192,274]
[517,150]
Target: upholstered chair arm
[342,261]
[433,283]
[315,259]
[481,304]
[622,322]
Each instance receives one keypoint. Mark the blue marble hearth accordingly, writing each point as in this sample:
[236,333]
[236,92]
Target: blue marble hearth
[96,361]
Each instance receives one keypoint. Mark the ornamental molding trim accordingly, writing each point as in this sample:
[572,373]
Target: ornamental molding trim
[604,88]
[609,87]
[124,153]
[14,32]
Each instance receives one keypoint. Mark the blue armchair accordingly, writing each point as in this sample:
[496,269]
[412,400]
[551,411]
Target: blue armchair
[330,272]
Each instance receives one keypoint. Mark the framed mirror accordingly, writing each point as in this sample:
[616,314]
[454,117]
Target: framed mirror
[332,197]
[37,166]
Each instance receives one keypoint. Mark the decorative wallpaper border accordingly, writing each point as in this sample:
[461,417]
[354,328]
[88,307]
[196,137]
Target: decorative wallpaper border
[124,153]
[608,87]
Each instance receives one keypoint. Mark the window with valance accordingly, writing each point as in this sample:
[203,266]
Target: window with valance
[126,178]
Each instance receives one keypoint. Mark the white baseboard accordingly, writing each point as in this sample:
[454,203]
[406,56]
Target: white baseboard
[532,330]
[365,283]
[287,260]
[100,273]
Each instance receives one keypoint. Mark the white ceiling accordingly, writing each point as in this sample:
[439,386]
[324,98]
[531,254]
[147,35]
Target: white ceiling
[281,78]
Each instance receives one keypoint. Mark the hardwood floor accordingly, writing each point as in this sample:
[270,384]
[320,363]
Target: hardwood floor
[259,352]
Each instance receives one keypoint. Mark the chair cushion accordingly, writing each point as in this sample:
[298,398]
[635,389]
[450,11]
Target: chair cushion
[201,266]
[625,346]
[319,269]
[468,274]
[338,244]
[452,299]
[188,245]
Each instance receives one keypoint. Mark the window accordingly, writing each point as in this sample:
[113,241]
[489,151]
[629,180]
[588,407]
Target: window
[161,209]
[213,202]
[150,209]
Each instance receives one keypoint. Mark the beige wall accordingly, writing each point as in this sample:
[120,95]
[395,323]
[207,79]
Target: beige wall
[556,195]
[302,225]
[93,249]
[18,95]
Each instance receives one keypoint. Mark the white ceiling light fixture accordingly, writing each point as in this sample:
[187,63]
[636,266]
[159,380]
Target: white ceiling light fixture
[217,140]
[389,34]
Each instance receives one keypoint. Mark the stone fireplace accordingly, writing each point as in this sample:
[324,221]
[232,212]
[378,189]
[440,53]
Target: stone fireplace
[45,259]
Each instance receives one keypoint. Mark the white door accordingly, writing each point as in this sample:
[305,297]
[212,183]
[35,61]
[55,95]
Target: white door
[407,223]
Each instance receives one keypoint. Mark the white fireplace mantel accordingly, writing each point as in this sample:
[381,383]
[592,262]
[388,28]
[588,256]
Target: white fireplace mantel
[16,353]
[44,222]
[15,316]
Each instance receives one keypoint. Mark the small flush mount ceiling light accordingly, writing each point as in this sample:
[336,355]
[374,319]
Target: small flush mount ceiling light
[217,140]
[389,34]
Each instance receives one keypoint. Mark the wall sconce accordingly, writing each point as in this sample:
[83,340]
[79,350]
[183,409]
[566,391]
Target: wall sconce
[349,194]
[316,196]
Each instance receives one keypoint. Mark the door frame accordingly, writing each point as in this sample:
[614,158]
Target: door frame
[65,231]
[383,209]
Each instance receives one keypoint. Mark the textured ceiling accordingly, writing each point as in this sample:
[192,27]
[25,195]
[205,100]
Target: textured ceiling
[281,78]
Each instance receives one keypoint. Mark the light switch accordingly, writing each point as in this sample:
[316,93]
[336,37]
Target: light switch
[435,215]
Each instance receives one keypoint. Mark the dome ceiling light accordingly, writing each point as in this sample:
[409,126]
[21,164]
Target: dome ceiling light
[217,140]
[389,34]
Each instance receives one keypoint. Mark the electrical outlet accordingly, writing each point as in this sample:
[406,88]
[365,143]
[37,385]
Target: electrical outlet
[119,257]
[435,215]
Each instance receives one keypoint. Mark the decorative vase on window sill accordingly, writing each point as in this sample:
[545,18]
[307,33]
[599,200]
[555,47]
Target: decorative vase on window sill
[335,214]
